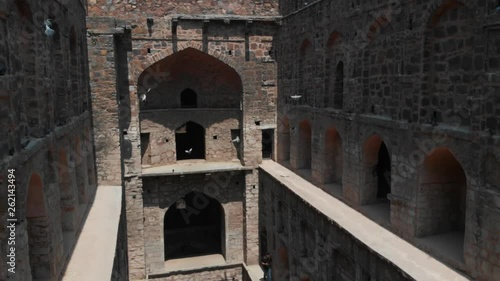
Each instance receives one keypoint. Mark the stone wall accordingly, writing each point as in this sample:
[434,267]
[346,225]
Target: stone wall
[45,112]
[306,245]
[403,89]
[126,9]
[160,194]
[142,61]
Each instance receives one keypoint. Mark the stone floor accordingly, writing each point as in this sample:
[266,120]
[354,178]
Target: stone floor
[415,262]
[192,167]
[194,262]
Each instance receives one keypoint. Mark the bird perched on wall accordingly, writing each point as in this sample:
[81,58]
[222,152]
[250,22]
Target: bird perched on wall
[236,139]
[189,150]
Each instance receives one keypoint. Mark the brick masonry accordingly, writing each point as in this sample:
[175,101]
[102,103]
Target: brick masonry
[345,78]
[47,133]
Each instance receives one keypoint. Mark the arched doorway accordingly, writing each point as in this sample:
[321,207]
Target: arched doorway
[377,180]
[333,162]
[383,173]
[304,146]
[194,226]
[38,228]
[441,202]
[190,141]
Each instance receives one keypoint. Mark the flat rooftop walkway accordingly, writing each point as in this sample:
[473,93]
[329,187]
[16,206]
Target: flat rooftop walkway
[407,257]
[92,258]
[185,167]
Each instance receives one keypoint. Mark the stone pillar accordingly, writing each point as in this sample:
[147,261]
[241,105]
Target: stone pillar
[105,108]
[135,228]
[251,208]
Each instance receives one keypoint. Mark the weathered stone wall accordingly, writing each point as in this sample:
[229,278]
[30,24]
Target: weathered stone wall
[306,245]
[143,60]
[416,84]
[45,112]
[218,124]
[127,9]
[161,193]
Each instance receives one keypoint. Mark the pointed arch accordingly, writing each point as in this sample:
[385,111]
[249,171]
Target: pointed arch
[194,225]
[218,84]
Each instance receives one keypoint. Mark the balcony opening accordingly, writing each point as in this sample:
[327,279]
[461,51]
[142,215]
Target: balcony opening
[190,141]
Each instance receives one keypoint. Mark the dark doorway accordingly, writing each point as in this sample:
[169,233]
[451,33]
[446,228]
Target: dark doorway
[190,141]
[145,149]
[267,143]
[383,172]
[263,242]
[189,99]
[194,226]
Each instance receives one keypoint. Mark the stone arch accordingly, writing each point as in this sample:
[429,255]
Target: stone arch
[442,193]
[305,145]
[186,219]
[376,171]
[333,161]
[376,27]
[447,55]
[331,57]
[38,229]
[284,140]
[166,52]
[190,141]
[218,84]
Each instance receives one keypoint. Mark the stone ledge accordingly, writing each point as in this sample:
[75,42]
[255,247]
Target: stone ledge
[93,256]
[192,167]
[408,258]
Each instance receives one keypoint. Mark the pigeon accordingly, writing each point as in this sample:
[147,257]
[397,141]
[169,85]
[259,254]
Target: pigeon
[236,139]
[48,30]
[143,95]
[189,150]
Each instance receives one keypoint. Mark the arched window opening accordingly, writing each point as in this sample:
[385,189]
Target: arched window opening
[194,226]
[189,99]
[377,180]
[190,141]
[38,228]
[339,86]
[305,141]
